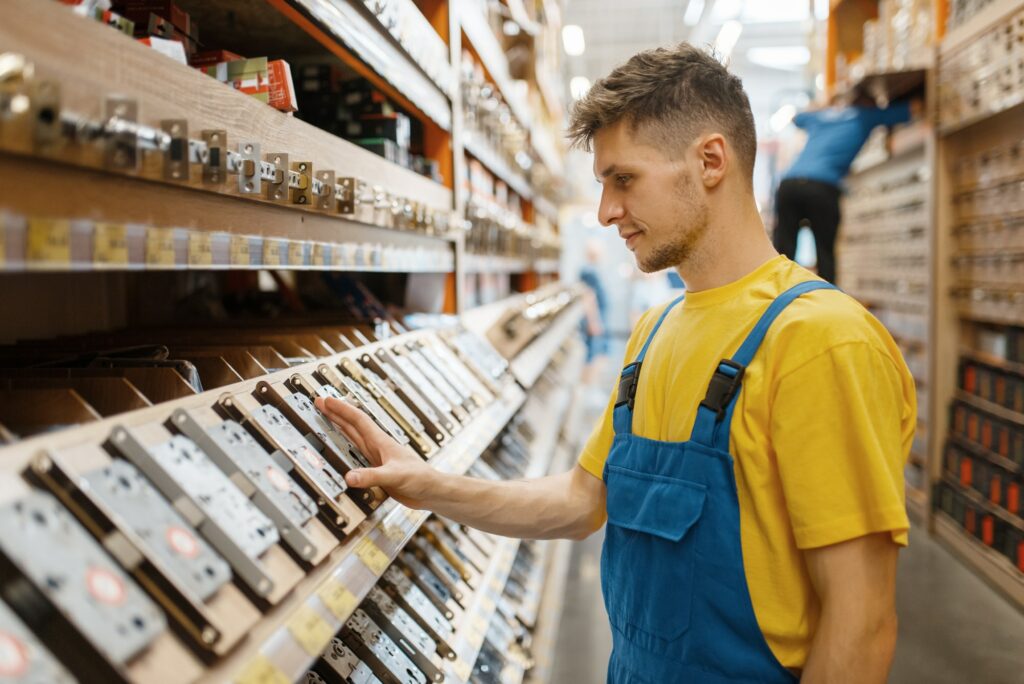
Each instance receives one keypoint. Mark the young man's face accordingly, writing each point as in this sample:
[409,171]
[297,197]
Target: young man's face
[651,195]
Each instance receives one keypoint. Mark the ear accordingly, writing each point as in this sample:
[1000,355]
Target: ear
[713,156]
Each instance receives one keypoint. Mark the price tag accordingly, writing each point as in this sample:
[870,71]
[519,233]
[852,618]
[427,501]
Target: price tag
[310,630]
[339,600]
[296,253]
[272,252]
[240,251]
[49,240]
[393,532]
[110,244]
[372,556]
[261,671]
[338,255]
[160,246]
[200,248]
[321,254]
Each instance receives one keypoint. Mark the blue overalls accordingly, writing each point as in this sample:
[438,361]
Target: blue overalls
[672,566]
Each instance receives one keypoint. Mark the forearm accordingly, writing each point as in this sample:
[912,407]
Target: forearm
[545,508]
[848,651]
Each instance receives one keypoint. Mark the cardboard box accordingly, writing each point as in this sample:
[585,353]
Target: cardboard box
[139,11]
[281,88]
[211,57]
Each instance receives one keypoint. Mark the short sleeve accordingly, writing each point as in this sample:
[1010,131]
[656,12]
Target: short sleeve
[895,113]
[842,424]
[804,119]
[595,451]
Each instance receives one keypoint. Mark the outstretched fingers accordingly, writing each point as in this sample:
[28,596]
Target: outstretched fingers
[356,425]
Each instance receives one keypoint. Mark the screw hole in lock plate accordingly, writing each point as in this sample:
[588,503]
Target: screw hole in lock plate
[248,149]
[249,186]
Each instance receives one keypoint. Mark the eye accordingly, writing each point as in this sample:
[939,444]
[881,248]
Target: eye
[623,179]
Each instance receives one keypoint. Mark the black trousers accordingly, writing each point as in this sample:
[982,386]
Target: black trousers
[797,201]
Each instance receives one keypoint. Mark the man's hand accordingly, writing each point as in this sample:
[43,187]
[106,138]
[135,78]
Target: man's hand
[856,635]
[569,505]
[398,470]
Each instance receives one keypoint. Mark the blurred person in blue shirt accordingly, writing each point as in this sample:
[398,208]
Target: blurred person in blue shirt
[810,189]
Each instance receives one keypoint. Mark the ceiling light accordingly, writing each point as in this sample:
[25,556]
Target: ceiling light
[579,86]
[782,116]
[786,57]
[694,10]
[727,37]
[572,39]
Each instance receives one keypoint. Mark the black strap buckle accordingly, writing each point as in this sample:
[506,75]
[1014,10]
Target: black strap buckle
[627,385]
[723,386]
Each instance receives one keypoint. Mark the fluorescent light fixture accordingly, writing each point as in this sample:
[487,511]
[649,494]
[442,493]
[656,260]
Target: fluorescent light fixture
[782,116]
[785,57]
[694,10]
[727,37]
[579,86]
[572,39]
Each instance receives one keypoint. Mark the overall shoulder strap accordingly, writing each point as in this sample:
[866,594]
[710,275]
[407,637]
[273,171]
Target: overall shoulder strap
[622,417]
[714,414]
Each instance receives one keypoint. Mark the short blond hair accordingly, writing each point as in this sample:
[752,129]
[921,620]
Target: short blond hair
[672,94]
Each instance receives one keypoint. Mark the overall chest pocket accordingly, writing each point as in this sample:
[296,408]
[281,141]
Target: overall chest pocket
[648,558]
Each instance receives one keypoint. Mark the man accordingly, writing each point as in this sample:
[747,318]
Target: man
[810,190]
[594,324]
[755,505]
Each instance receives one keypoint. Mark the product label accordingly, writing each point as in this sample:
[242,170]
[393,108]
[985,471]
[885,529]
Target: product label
[261,671]
[110,244]
[375,559]
[339,600]
[310,630]
[274,252]
[49,240]
[240,251]
[160,246]
[296,253]
[200,249]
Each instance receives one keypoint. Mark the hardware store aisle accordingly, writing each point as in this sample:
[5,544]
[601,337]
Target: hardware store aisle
[953,627]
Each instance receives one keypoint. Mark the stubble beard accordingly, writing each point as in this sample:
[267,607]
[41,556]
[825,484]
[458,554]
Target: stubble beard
[680,246]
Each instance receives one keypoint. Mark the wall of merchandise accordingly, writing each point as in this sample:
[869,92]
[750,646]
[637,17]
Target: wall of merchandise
[932,243]
[215,213]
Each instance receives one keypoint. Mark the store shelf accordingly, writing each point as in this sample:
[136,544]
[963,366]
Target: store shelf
[546,208]
[987,18]
[347,22]
[981,452]
[90,62]
[889,85]
[491,54]
[483,263]
[979,500]
[991,565]
[531,361]
[546,636]
[389,529]
[483,153]
[992,360]
[995,409]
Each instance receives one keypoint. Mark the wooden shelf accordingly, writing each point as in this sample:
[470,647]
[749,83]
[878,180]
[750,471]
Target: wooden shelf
[981,452]
[995,409]
[97,62]
[481,263]
[889,85]
[988,18]
[992,566]
[992,360]
[486,46]
[483,153]
[979,499]
[347,22]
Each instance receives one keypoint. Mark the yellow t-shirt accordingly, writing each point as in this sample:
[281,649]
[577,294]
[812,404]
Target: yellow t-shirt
[820,434]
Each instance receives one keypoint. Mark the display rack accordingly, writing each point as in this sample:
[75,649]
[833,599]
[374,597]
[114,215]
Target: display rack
[137,183]
[953,255]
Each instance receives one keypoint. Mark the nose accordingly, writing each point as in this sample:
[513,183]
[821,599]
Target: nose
[610,210]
